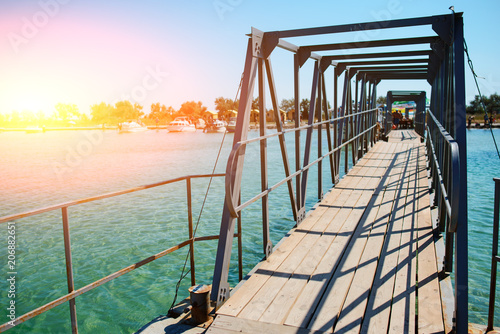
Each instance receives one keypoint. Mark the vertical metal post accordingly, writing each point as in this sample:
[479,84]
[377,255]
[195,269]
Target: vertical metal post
[357,109]
[281,137]
[320,136]
[307,149]
[240,245]
[349,120]
[266,240]
[296,88]
[336,135]
[191,234]
[234,171]
[362,107]
[461,244]
[69,269]
[328,132]
[461,251]
[343,114]
[494,257]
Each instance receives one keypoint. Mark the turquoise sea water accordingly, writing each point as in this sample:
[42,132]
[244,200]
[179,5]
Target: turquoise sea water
[48,168]
[44,169]
[483,164]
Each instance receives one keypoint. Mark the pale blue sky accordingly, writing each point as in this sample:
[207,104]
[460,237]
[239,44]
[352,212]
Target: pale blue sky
[85,52]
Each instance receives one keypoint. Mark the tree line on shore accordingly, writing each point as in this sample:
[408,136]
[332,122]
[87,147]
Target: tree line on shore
[113,114]
[121,111]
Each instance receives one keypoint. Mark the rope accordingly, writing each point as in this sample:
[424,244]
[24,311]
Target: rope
[183,272]
[471,66]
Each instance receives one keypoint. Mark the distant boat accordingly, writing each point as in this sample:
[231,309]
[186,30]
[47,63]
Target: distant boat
[34,129]
[231,126]
[181,124]
[131,127]
[216,126]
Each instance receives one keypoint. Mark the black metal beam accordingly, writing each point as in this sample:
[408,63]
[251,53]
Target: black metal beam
[428,20]
[372,44]
[384,62]
[397,76]
[389,68]
[380,55]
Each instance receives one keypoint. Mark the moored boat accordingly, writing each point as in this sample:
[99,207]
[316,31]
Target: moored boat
[131,127]
[34,129]
[181,124]
[231,126]
[215,126]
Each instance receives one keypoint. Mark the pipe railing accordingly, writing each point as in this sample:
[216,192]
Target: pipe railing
[235,209]
[444,165]
[72,293]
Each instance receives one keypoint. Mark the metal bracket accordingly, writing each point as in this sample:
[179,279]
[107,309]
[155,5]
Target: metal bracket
[270,42]
[443,27]
[341,67]
[301,215]
[223,294]
[324,64]
[269,249]
[303,55]
[257,39]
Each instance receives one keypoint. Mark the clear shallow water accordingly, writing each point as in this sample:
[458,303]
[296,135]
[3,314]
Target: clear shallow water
[483,165]
[43,169]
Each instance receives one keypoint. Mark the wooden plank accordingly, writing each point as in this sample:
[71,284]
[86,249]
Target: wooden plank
[239,300]
[403,301]
[352,313]
[430,314]
[329,308]
[339,214]
[311,294]
[230,325]
[378,308]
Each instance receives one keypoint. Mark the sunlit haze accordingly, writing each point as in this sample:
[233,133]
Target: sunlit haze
[87,52]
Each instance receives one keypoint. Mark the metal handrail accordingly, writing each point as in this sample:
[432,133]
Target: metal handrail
[450,185]
[494,256]
[72,294]
[234,210]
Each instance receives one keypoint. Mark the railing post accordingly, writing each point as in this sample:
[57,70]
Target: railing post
[320,136]
[266,239]
[69,269]
[191,234]
[240,245]
[461,240]
[494,256]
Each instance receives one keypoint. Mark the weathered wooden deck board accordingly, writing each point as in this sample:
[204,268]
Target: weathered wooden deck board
[430,312]
[352,313]
[351,265]
[378,310]
[312,224]
[335,296]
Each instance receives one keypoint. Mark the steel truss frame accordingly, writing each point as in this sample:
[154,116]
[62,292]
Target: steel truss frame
[351,124]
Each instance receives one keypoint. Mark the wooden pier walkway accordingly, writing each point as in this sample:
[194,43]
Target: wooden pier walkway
[363,260]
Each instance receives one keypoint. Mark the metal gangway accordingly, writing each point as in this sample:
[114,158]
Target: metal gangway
[282,292]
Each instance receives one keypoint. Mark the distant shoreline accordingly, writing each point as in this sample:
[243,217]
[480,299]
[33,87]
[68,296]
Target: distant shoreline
[111,127]
[253,126]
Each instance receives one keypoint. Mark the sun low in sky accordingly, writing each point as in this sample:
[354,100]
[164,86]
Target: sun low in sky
[88,52]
